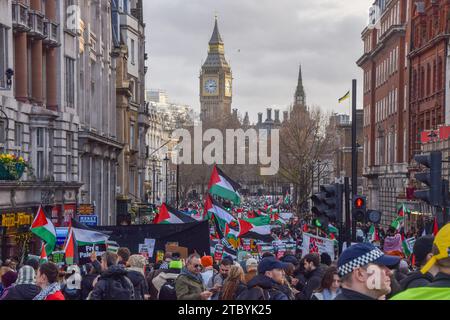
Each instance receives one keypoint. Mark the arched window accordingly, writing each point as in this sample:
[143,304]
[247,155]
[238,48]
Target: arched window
[428,80]
[439,74]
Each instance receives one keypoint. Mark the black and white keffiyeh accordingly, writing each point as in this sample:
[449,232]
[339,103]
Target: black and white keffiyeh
[51,289]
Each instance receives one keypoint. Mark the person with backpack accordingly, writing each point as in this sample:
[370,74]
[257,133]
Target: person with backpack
[113,283]
[135,272]
[267,284]
[165,281]
[87,280]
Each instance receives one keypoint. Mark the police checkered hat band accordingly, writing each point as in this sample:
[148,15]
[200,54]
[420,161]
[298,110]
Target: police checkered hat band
[360,261]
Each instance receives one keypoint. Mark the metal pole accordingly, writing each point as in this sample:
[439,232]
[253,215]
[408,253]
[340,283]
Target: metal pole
[154,184]
[354,146]
[347,210]
[318,176]
[166,180]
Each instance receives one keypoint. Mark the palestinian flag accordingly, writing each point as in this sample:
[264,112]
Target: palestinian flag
[248,230]
[260,221]
[435,227]
[69,248]
[232,234]
[43,228]
[43,258]
[222,186]
[332,229]
[220,215]
[169,215]
[85,236]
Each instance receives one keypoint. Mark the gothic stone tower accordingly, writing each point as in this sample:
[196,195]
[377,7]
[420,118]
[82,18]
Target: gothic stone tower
[215,81]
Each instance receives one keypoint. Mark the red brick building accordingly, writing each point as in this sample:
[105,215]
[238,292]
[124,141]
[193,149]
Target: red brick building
[429,40]
[386,79]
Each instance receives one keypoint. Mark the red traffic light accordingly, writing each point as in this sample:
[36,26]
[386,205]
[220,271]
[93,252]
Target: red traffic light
[359,203]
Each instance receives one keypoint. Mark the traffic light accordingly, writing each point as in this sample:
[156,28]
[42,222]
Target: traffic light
[431,178]
[327,205]
[359,208]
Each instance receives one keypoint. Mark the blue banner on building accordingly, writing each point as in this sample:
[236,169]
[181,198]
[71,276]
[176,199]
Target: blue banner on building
[90,220]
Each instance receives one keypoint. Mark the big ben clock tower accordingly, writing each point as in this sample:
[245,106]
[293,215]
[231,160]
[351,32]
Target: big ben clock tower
[215,81]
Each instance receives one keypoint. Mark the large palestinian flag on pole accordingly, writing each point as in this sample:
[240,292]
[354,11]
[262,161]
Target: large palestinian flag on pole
[220,215]
[43,228]
[257,231]
[222,186]
[169,215]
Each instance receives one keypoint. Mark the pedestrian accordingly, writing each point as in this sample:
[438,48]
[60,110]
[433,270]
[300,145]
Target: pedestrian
[313,275]
[422,253]
[356,264]
[113,283]
[3,270]
[330,286]
[71,287]
[164,283]
[216,282]
[251,266]
[47,280]
[234,284]
[135,272]
[325,260]
[8,280]
[32,262]
[25,287]
[123,254]
[189,284]
[208,269]
[439,288]
[267,284]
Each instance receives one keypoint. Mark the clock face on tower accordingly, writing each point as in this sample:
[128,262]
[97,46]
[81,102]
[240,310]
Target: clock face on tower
[210,86]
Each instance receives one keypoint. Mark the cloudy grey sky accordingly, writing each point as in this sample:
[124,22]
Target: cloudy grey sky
[265,40]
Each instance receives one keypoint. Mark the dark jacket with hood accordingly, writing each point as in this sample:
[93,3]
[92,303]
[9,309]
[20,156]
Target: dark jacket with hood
[113,284]
[442,280]
[139,283]
[416,279]
[86,285]
[271,289]
[22,292]
[313,282]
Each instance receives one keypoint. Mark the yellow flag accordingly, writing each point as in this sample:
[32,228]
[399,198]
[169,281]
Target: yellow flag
[345,97]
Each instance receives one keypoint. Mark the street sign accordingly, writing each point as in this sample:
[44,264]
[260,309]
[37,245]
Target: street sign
[89,220]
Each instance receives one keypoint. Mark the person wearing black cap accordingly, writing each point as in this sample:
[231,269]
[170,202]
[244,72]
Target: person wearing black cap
[267,285]
[423,252]
[365,272]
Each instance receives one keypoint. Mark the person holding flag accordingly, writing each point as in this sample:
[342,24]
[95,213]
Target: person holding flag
[44,229]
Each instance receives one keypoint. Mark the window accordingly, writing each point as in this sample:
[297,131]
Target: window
[18,133]
[2,131]
[40,137]
[132,51]
[132,136]
[40,165]
[3,55]
[70,82]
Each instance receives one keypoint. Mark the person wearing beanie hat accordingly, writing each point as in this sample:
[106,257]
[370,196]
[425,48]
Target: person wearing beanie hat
[164,282]
[251,265]
[439,289]
[422,253]
[8,280]
[208,269]
[358,265]
[25,287]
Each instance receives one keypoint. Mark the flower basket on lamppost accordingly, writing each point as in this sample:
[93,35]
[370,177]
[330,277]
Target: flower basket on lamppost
[12,167]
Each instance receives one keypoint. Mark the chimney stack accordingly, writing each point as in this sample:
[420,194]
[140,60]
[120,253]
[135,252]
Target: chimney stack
[285,116]
[235,113]
[269,114]
[277,115]
[260,115]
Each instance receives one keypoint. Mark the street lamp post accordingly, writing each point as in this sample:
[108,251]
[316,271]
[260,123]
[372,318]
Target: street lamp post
[318,175]
[153,180]
[166,159]
[178,185]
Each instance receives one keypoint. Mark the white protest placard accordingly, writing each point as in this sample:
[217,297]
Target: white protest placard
[150,243]
[315,244]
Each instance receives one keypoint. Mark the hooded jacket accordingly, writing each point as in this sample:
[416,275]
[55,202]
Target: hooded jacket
[416,279]
[113,284]
[139,283]
[22,292]
[161,279]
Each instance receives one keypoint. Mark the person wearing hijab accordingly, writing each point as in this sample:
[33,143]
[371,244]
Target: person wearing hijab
[25,287]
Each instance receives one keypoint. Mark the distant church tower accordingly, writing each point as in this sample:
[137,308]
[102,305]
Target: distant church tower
[215,81]
[300,96]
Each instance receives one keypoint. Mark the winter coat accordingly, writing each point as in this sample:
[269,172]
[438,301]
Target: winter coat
[348,294]
[442,280]
[270,288]
[416,279]
[22,292]
[313,282]
[55,296]
[139,283]
[113,284]
[188,286]
[241,287]
[151,288]
[86,285]
[250,275]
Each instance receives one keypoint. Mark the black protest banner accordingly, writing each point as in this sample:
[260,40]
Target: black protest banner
[84,252]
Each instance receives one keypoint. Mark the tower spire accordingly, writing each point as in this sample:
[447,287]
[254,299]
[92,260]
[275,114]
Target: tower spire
[216,38]
[300,96]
